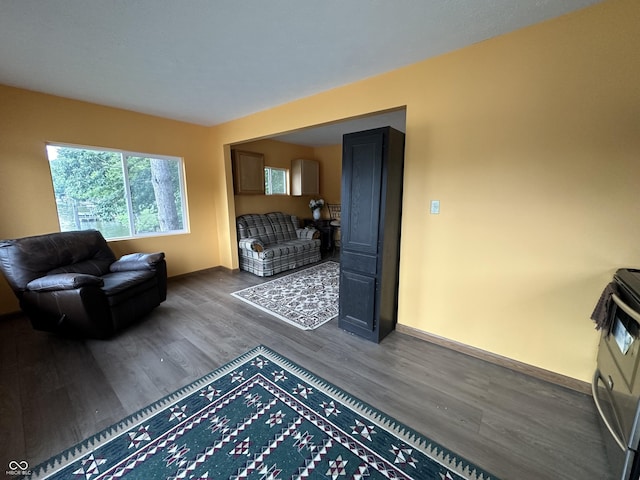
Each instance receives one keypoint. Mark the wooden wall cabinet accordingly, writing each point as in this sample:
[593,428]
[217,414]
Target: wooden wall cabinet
[372,175]
[305,177]
[248,172]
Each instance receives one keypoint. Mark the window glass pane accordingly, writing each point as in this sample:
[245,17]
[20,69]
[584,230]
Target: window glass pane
[156,198]
[89,190]
[275,180]
[116,192]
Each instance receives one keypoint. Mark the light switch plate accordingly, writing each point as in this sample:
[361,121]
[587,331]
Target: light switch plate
[435,207]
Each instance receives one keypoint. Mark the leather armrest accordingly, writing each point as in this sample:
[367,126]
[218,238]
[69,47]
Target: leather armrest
[251,244]
[137,261]
[64,281]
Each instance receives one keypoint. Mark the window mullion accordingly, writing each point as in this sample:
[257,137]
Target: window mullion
[127,193]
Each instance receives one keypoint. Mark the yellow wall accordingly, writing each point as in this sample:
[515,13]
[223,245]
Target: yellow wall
[28,120]
[330,158]
[530,141]
[280,154]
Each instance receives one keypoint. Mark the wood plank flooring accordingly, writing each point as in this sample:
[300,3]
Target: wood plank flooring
[54,392]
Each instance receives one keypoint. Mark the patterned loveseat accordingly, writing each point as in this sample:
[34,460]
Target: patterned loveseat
[274,242]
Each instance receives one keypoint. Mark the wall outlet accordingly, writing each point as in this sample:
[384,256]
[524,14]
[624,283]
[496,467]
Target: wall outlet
[435,207]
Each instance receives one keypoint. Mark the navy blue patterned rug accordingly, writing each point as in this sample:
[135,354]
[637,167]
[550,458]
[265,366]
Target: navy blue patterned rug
[259,417]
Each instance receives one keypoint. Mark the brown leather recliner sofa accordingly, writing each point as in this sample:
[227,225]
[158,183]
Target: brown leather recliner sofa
[71,282]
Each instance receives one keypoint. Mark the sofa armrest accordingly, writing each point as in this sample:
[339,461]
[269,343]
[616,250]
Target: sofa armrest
[308,233]
[137,261]
[64,281]
[252,244]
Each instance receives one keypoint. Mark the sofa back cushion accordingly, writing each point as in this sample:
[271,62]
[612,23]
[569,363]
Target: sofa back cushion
[254,225]
[270,228]
[25,259]
[284,226]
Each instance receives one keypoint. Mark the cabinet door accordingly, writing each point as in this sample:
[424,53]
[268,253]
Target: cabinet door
[305,177]
[357,308]
[248,173]
[361,184]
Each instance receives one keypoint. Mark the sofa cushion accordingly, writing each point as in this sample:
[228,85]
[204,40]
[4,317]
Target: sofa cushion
[117,282]
[288,248]
[90,267]
[303,245]
[256,226]
[284,226]
[120,287]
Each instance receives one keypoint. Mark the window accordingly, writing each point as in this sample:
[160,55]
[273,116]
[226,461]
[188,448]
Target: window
[122,194]
[276,181]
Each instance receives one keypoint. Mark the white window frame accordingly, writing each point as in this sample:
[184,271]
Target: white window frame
[124,155]
[267,176]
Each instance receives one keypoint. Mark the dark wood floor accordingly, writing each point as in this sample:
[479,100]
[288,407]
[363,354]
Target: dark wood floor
[55,392]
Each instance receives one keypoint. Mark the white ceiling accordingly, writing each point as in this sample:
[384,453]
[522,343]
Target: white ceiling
[207,62]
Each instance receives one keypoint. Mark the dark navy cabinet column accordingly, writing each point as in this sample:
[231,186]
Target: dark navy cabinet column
[372,165]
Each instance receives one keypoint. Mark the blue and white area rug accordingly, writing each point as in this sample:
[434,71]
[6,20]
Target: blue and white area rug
[306,299]
[259,417]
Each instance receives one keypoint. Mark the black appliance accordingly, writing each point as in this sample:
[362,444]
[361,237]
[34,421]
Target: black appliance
[616,382]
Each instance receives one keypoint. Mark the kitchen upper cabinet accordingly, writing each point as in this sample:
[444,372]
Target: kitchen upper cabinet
[305,177]
[248,172]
